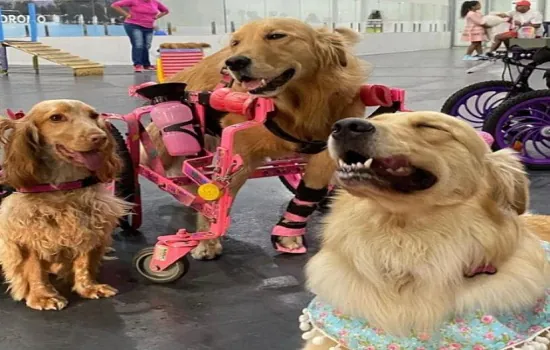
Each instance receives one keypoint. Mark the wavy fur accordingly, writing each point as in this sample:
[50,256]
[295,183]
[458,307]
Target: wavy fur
[64,233]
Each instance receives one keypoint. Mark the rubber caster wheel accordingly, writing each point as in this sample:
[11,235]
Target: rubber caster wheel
[176,271]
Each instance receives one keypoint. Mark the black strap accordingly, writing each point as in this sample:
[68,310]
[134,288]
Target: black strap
[394,108]
[179,127]
[307,194]
[301,210]
[306,147]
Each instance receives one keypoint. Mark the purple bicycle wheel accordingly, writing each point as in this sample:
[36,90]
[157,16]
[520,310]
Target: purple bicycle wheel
[523,124]
[474,103]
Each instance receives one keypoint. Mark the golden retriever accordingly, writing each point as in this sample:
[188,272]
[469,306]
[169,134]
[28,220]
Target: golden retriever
[64,233]
[314,80]
[424,203]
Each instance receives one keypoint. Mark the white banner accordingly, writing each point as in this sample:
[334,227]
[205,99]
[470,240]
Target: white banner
[21,19]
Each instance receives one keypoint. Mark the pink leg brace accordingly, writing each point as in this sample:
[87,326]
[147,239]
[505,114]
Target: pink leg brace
[294,220]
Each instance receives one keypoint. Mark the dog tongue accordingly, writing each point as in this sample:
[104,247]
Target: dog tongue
[394,163]
[252,85]
[92,160]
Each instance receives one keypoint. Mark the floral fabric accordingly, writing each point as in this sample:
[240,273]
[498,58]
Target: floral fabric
[476,331]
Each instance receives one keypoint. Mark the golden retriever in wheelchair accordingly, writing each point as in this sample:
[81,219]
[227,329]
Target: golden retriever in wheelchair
[314,79]
[429,226]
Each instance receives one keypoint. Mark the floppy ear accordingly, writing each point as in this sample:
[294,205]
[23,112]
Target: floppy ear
[21,164]
[332,48]
[112,165]
[5,126]
[508,180]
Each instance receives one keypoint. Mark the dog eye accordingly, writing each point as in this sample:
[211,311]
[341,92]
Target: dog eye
[275,36]
[235,42]
[94,115]
[57,118]
[429,126]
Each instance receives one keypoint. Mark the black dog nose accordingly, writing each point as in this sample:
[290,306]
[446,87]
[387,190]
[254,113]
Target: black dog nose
[352,127]
[236,63]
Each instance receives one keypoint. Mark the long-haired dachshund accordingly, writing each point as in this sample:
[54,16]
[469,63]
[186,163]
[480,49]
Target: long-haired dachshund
[60,218]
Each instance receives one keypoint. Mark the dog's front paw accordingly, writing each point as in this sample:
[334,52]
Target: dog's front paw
[46,302]
[292,243]
[97,291]
[207,250]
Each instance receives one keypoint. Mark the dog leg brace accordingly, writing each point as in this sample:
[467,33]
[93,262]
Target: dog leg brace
[294,220]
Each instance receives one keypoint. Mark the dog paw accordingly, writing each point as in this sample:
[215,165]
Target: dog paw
[97,291]
[46,302]
[291,242]
[207,250]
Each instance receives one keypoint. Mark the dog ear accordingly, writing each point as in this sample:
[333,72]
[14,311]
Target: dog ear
[508,180]
[332,48]
[5,126]
[21,163]
[112,165]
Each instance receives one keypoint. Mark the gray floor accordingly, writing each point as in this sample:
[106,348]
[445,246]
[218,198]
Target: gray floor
[251,297]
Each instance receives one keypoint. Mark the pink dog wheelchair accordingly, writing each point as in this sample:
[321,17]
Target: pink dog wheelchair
[181,116]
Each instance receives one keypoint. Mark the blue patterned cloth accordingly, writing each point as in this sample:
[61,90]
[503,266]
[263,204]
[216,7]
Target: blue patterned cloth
[475,331]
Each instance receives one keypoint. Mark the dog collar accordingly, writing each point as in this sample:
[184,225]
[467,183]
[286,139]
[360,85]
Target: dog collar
[65,186]
[305,147]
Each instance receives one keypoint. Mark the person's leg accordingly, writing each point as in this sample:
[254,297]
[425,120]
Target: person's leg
[148,40]
[136,41]
[479,48]
[470,49]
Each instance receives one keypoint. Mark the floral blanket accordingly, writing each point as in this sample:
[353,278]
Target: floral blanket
[476,331]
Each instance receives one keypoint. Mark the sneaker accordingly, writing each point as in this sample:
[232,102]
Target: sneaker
[138,68]
[470,58]
[150,68]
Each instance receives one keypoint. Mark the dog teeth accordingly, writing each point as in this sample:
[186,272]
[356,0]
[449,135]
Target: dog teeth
[341,163]
[263,82]
[367,163]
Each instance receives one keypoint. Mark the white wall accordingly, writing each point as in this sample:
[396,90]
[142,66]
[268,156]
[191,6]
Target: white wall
[116,50]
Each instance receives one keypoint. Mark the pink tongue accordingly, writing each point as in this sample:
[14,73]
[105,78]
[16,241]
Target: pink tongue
[92,160]
[251,85]
[394,162]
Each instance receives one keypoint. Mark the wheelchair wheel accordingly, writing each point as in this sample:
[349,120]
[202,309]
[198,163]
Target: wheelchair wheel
[474,103]
[124,185]
[292,181]
[523,124]
[173,273]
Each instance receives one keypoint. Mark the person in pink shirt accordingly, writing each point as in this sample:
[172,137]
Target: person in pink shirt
[139,24]
[474,31]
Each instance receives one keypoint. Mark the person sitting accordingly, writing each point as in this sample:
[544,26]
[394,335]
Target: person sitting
[522,16]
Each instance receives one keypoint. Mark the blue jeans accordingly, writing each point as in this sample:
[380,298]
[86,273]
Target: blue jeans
[141,39]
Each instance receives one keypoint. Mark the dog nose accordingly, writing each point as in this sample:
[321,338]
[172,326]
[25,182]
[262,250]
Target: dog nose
[236,63]
[352,127]
[98,139]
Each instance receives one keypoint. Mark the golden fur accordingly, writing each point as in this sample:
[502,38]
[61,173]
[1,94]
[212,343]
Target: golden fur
[65,233]
[399,259]
[324,89]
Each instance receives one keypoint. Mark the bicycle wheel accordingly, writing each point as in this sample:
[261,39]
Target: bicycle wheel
[473,103]
[523,124]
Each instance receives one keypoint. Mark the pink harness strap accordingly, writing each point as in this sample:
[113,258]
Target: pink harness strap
[65,186]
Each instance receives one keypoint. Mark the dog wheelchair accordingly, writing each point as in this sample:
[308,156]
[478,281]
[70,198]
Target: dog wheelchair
[510,110]
[181,117]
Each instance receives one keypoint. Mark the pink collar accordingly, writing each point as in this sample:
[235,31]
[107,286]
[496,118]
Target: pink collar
[65,186]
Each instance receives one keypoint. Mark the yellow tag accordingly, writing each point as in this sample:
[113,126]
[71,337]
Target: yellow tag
[209,192]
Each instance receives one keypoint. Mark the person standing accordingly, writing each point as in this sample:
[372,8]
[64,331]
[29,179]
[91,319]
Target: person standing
[139,24]
[474,31]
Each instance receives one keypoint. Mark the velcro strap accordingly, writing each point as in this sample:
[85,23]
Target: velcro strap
[304,193]
[292,224]
[300,210]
